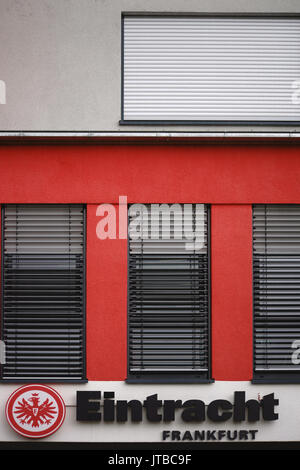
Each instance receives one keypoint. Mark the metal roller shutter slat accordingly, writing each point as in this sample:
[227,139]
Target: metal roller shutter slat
[195,68]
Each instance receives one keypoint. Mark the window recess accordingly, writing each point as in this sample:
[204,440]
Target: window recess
[276,288]
[168,301]
[43,306]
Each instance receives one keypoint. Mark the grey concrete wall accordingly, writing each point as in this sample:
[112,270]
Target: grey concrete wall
[61,59]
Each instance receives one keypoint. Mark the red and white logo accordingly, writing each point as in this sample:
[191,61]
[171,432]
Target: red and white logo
[35,411]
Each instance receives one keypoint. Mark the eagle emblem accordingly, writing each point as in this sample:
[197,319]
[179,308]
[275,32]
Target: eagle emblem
[34,413]
[35,410]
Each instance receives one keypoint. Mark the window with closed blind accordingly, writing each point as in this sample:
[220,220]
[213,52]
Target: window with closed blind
[210,69]
[168,301]
[276,273]
[43,292]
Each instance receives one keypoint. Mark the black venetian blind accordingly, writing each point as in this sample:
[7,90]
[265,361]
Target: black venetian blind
[43,291]
[168,295]
[276,261]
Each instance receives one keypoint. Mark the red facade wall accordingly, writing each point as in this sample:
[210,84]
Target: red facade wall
[230,178]
[92,174]
[231,291]
[106,304]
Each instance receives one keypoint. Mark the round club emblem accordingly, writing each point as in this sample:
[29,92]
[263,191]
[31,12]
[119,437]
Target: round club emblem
[35,411]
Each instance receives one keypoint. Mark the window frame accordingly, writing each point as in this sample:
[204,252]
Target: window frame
[46,380]
[176,377]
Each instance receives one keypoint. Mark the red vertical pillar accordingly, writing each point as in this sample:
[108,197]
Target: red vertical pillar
[231,291]
[106,303]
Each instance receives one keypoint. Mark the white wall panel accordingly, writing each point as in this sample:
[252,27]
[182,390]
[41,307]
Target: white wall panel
[286,428]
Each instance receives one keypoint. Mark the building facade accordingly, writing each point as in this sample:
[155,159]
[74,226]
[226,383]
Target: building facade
[150,234]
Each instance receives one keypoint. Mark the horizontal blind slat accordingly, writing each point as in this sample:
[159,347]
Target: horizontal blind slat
[168,292]
[276,281]
[43,263]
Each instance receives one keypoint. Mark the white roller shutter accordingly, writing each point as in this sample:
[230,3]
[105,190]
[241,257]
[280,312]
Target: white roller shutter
[211,69]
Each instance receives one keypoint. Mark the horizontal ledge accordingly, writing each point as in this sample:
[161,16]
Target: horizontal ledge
[147,136]
[43,381]
[170,380]
[204,122]
[279,381]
